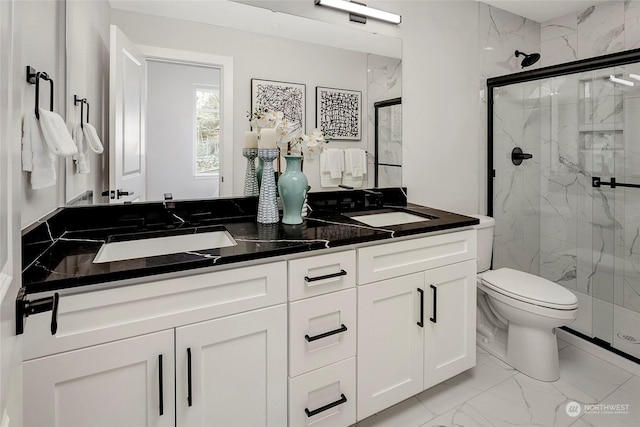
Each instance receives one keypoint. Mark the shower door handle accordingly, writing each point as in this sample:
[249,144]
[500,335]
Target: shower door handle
[517,156]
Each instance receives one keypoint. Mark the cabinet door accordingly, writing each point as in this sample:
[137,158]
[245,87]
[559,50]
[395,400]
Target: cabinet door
[123,383]
[450,321]
[390,360]
[237,368]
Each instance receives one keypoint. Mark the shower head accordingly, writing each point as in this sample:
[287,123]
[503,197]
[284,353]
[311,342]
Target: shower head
[528,59]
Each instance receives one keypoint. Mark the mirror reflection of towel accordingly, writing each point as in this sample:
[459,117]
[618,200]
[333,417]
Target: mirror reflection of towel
[355,169]
[92,138]
[82,166]
[331,167]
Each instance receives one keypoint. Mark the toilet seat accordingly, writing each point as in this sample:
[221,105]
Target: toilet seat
[529,289]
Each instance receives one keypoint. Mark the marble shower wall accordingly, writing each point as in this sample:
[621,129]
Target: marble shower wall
[604,229]
[384,81]
[517,123]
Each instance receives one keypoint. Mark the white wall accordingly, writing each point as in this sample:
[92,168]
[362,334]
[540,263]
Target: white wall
[41,28]
[87,47]
[256,56]
[170,131]
[440,104]
[11,78]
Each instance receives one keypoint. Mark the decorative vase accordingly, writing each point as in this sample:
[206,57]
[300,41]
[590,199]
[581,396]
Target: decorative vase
[251,187]
[259,170]
[267,203]
[292,187]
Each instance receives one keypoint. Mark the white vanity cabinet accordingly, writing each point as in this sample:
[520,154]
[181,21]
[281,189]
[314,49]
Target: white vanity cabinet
[124,383]
[322,340]
[238,362]
[416,316]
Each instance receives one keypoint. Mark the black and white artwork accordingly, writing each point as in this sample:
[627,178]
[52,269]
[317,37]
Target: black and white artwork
[339,112]
[290,98]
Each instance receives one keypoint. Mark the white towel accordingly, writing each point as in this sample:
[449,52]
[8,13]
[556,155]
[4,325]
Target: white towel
[331,167]
[355,167]
[355,162]
[36,157]
[92,138]
[82,165]
[56,135]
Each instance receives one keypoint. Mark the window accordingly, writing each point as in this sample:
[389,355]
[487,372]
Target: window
[207,140]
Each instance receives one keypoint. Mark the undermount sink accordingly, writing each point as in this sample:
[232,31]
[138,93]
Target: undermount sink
[386,219]
[140,247]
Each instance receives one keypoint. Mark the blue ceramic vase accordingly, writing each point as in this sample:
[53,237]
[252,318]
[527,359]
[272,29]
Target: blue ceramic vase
[292,187]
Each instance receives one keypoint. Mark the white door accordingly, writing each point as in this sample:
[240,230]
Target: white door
[123,383]
[390,360]
[232,371]
[450,321]
[127,99]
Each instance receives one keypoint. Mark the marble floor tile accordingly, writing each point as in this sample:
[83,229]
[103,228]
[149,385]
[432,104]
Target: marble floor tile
[457,390]
[591,375]
[409,413]
[521,400]
[463,415]
[627,414]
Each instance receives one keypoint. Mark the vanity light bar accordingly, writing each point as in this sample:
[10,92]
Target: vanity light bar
[634,76]
[615,79]
[359,9]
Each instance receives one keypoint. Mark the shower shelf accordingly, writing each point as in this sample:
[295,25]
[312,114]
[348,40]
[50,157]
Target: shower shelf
[601,127]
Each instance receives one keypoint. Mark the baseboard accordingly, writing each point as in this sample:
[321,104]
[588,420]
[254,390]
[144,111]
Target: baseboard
[602,353]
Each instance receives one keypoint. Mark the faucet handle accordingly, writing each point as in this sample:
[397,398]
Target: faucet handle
[168,196]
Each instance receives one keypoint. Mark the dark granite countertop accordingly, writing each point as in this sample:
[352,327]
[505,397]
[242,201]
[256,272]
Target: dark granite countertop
[58,252]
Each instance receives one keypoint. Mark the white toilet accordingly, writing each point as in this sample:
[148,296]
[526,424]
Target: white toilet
[518,313]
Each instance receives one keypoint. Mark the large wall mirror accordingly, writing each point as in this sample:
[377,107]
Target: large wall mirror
[198,60]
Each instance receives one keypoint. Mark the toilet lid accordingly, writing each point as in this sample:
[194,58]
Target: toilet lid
[530,288]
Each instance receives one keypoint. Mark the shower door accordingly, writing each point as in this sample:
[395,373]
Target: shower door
[557,213]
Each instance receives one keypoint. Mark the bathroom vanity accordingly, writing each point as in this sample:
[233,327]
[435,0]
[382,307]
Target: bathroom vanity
[324,323]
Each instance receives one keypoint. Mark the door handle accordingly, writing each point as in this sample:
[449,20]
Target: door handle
[421,322]
[189,385]
[120,193]
[160,386]
[434,319]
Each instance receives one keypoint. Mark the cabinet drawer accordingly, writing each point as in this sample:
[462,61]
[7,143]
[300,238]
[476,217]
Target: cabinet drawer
[95,317]
[322,330]
[410,256]
[313,392]
[317,275]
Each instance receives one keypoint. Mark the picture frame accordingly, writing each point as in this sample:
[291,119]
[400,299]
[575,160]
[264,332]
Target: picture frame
[290,98]
[339,113]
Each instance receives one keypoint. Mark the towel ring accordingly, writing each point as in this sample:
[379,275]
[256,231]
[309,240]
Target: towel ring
[34,77]
[82,101]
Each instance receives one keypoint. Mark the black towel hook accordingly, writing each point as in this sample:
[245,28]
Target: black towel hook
[34,77]
[82,101]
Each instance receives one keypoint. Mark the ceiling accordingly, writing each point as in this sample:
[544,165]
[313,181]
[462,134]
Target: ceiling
[543,10]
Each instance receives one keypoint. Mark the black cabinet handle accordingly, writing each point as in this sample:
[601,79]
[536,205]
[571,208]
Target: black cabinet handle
[160,387]
[434,319]
[326,276]
[342,328]
[421,322]
[343,399]
[54,313]
[189,395]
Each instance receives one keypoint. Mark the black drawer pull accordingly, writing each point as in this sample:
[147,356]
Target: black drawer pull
[343,399]
[326,276]
[434,319]
[160,386]
[189,385]
[342,328]
[421,322]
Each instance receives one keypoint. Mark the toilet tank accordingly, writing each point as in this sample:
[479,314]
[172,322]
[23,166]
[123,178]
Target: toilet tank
[485,241]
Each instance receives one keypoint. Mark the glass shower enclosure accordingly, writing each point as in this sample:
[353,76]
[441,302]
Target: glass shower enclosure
[564,187]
